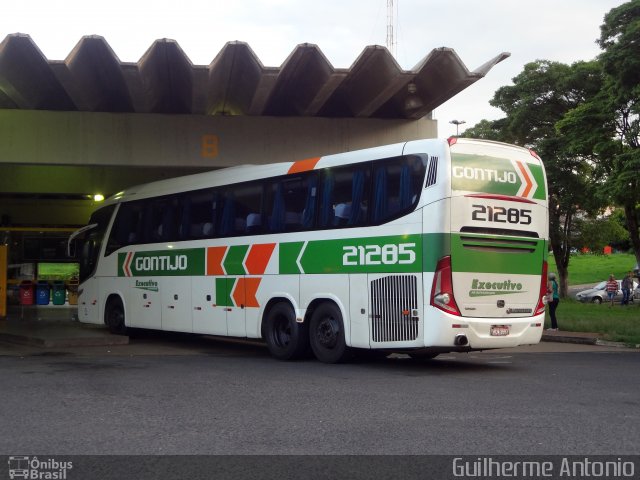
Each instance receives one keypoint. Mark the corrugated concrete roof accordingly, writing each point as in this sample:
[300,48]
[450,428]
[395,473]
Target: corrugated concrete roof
[93,79]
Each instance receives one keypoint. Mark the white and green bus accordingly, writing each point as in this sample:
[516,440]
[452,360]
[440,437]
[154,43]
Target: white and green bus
[422,247]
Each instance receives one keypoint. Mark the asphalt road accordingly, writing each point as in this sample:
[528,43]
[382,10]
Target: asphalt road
[206,397]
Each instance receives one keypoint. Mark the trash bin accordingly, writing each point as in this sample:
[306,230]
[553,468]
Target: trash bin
[59,293]
[43,291]
[72,288]
[26,292]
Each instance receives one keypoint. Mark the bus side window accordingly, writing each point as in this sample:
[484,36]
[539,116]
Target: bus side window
[309,211]
[248,208]
[125,227]
[289,199]
[396,186]
[326,204]
[345,196]
[199,215]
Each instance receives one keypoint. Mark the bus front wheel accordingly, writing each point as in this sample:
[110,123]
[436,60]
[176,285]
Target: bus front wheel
[327,334]
[114,317]
[286,338]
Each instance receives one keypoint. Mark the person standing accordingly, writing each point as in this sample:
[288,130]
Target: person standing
[627,288]
[553,301]
[611,288]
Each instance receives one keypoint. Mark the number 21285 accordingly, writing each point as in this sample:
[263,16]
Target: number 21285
[389,254]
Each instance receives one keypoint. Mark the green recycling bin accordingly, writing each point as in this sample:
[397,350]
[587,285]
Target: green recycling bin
[59,292]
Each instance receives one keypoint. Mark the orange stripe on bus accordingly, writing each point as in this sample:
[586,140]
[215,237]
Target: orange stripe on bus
[258,258]
[215,255]
[528,181]
[245,292]
[304,165]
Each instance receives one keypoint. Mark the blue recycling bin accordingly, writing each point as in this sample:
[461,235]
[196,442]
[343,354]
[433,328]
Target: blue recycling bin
[43,291]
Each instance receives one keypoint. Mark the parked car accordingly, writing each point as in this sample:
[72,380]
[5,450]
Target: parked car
[598,293]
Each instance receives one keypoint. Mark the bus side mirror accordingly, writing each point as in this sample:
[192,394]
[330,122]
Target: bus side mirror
[71,248]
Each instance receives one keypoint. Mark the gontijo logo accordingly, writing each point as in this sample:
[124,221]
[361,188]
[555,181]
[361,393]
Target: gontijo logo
[504,176]
[175,262]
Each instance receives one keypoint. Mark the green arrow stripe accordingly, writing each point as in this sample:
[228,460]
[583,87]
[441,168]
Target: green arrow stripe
[289,253]
[224,287]
[233,261]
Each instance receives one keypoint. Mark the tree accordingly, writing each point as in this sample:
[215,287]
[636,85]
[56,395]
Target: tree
[488,130]
[540,97]
[596,233]
[607,126]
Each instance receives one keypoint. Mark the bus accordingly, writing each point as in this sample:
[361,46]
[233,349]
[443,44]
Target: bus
[422,247]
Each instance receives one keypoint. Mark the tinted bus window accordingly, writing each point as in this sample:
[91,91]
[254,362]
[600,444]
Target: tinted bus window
[127,228]
[291,204]
[397,183]
[345,197]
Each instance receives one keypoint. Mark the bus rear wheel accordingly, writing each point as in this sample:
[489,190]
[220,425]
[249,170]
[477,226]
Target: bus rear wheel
[327,334]
[286,338]
[114,317]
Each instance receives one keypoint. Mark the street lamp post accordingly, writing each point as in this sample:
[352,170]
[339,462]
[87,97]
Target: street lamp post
[457,123]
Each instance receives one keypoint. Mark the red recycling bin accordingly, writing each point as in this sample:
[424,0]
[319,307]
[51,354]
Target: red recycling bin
[26,292]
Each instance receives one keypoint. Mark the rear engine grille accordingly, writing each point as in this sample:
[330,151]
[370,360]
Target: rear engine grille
[394,304]
[502,245]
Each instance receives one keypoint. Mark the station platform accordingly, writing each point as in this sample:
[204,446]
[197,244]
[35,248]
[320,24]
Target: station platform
[53,326]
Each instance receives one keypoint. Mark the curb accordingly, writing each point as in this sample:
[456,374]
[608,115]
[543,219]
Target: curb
[607,343]
[585,340]
[570,339]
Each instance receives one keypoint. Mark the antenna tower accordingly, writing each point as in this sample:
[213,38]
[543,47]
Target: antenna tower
[392,42]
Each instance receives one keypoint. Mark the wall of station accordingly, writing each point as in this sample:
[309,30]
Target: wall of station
[80,153]
[81,138]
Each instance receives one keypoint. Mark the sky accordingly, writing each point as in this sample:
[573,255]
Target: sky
[478,30]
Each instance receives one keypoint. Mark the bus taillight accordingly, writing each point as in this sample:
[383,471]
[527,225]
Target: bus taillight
[442,288]
[543,289]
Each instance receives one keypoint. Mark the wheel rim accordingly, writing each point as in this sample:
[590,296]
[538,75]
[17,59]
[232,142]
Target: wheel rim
[328,332]
[281,332]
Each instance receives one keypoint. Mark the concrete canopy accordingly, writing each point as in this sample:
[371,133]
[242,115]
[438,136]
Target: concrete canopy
[164,81]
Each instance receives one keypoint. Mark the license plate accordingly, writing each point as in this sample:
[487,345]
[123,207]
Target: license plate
[499,330]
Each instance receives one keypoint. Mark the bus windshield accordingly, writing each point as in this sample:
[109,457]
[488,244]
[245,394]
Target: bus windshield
[90,241]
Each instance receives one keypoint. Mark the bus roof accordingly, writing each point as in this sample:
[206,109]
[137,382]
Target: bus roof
[243,173]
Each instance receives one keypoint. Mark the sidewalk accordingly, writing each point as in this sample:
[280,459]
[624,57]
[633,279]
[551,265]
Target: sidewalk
[53,327]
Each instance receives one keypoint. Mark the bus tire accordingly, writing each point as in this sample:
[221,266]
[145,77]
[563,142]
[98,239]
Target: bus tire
[422,356]
[286,338]
[114,316]
[327,334]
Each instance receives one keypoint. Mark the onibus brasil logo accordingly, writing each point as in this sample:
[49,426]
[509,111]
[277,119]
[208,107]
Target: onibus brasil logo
[38,469]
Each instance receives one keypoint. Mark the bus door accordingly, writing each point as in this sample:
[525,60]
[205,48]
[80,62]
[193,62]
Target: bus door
[219,305]
[208,316]
[176,304]
[143,302]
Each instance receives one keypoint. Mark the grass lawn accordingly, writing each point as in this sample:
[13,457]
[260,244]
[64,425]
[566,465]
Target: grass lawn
[618,324]
[596,268]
